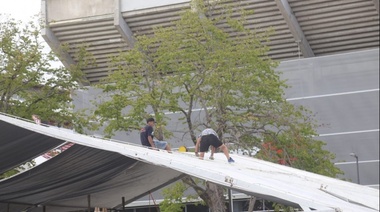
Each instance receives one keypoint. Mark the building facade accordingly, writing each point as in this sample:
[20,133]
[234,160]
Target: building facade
[329,53]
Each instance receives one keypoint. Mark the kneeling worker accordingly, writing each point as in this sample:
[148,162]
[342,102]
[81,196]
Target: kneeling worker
[208,138]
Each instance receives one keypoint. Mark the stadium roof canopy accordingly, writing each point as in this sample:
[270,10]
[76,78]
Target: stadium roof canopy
[302,28]
[102,172]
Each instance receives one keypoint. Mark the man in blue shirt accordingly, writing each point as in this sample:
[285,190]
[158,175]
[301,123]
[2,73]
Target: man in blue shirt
[207,138]
[146,137]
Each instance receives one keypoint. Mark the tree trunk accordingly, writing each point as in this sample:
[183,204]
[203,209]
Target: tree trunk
[212,194]
[159,133]
[252,201]
[216,200]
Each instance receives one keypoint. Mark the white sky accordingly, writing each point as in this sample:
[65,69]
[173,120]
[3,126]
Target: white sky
[20,9]
[25,11]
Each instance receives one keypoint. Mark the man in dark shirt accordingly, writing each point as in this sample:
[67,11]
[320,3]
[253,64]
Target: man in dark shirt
[146,137]
[146,134]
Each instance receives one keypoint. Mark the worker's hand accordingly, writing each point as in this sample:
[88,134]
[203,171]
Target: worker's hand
[154,148]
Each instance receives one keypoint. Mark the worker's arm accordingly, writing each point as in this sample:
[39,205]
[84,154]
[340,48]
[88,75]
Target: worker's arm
[150,139]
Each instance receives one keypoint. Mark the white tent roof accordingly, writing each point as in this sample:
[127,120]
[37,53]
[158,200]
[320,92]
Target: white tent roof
[248,175]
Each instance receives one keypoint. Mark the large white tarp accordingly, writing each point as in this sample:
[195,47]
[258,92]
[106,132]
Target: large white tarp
[248,175]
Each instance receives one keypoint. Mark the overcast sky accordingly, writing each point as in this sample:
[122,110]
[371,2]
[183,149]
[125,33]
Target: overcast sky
[24,10]
[20,9]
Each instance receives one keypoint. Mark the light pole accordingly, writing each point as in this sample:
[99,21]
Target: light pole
[357,165]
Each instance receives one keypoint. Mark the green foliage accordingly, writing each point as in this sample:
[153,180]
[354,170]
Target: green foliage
[230,79]
[136,85]
[29,82]
[294,143]
[173,198]
[209,60]
[282,208]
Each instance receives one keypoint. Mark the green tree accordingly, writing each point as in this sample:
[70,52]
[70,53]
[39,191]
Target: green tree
[136,85]
[29,82]
[208,59]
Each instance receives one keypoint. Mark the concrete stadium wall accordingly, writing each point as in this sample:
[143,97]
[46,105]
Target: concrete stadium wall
[62,10]
[342,90]
[59,10]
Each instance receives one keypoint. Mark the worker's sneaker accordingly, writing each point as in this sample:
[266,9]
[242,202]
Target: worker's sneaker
[230,160]
[211,157]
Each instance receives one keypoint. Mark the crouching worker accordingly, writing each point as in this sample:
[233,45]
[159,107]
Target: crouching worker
[146,137]
[207,138]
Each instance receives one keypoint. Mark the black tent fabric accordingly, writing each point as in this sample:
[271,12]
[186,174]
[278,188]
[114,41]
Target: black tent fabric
[77,169]
[64,182]
[18,145]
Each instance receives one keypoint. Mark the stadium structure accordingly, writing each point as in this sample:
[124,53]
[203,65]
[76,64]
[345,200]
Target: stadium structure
[328,52]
